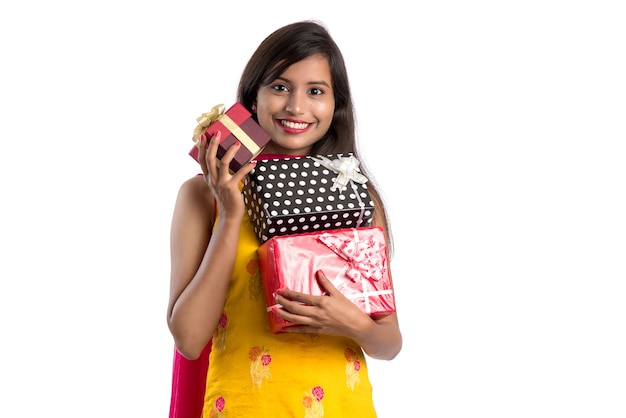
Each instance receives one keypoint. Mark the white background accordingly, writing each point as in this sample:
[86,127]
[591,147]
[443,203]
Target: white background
[496,130]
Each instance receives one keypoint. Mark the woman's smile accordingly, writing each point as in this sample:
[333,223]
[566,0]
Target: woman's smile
[297,108]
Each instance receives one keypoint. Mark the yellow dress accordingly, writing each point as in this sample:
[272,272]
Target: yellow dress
[254,373]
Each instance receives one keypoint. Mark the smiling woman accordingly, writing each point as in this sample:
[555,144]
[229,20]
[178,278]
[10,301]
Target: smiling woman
[296,87]
[495,130]
[297,108]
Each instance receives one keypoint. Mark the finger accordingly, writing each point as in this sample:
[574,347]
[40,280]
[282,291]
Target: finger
[293,296]
[228,156]
[293,317]
[293,306]
[244,171]
[202,153]
[325,284]
[211,155]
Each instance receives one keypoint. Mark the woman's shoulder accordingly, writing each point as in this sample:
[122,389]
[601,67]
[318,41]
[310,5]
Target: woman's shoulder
[194,192]
[195,184]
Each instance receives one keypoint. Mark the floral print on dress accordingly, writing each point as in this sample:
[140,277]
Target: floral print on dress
[353,367]
[312,401]
[255,285]
[259,365]
[219,337]
[218,408]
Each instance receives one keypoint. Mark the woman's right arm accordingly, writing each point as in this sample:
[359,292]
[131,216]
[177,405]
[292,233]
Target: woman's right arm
[203,252]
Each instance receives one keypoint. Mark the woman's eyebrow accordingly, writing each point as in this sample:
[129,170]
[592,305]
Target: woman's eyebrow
[323,83]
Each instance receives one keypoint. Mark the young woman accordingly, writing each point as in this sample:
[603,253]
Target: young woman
[296,86]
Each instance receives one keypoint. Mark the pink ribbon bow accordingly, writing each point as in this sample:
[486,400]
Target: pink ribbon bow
[365,256]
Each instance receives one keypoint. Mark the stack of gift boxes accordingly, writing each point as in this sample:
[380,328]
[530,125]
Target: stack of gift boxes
[315,213]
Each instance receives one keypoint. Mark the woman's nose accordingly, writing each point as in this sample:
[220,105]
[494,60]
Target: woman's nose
[296,104]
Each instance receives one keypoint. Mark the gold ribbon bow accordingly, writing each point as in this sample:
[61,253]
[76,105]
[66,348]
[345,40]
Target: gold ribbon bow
[205,120]
[217,113]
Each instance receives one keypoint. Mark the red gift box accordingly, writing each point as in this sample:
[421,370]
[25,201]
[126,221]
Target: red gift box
[236,124]
[355,260]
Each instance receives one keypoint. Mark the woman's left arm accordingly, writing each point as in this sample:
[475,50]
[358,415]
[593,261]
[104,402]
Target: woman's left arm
[383,339]
[334,314]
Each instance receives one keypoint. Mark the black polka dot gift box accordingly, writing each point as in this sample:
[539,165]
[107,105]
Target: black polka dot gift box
[294,195]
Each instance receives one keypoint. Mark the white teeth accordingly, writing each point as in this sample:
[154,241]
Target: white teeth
[293,125]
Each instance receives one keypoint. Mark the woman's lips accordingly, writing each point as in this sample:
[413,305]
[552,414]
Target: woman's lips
[293,127]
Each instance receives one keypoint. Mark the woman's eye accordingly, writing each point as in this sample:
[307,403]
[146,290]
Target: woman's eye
[316,91]
[280,87]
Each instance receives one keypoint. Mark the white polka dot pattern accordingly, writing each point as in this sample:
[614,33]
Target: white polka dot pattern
[293,195]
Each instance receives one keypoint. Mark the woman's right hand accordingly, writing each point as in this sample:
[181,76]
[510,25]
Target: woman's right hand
[223,184]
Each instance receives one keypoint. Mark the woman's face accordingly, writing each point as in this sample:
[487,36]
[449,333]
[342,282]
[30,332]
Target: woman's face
[297,108]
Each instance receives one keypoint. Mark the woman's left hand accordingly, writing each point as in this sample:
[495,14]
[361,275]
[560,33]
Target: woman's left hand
[330,314]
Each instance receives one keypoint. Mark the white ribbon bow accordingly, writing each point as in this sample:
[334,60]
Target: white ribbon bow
[346,168]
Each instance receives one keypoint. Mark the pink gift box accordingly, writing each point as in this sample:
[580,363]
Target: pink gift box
[355,260]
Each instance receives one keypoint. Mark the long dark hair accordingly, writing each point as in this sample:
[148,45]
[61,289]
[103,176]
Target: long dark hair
[293,43]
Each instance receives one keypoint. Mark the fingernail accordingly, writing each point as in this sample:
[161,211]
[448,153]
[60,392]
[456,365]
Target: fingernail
[279,291]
